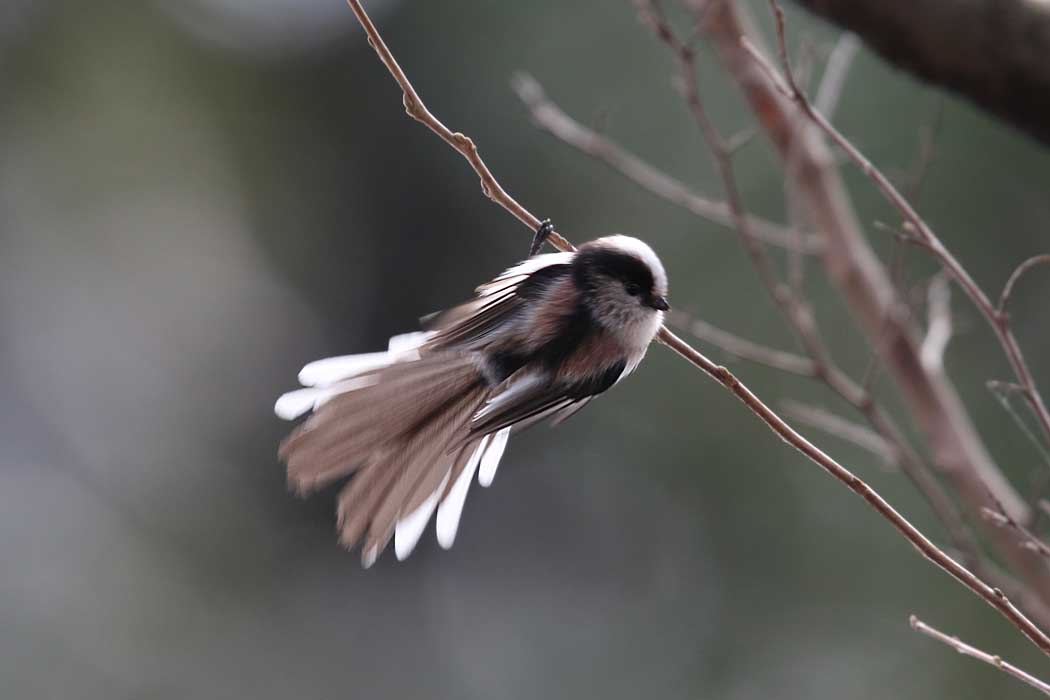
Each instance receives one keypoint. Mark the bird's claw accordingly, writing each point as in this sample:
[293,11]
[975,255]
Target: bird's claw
[543,232]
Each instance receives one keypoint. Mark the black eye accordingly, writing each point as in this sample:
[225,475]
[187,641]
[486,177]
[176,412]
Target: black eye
[632,289]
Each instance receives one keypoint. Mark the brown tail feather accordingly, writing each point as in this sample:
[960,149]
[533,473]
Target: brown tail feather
[359,499]
[349,428]
[392,416]
[335,419]
[425,463]
[396,434]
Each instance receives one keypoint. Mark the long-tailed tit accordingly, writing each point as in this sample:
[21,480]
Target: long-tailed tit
[415,423]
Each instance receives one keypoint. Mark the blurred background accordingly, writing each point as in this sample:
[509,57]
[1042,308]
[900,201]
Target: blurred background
[198,197]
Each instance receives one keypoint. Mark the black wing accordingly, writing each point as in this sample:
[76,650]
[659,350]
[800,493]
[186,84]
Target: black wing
[533,397]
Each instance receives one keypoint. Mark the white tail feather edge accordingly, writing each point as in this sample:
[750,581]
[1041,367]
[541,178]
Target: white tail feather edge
[451,508]
[295,403]
[490,460]
[332,369]
[368,556]
[405,342]
[410,528]
[330,376]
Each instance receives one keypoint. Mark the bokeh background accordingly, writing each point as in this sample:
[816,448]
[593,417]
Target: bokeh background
[199,196]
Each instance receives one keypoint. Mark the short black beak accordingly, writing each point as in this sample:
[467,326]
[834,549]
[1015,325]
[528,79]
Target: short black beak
[659,303]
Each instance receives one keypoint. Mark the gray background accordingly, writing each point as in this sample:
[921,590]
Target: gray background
[198,197]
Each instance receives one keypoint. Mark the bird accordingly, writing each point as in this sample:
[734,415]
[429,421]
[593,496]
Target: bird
[411,426]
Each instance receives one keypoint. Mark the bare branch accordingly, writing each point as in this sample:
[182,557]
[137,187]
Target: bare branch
[921,229]
[552,119]
[851,264]
[839,62]
[1015,276]
[1028,538]
[836,425]
[1002,392]
[461,144]
[993,596]
[990,659]
[898,313]
[795,308]
[733,144]
[924,157]
[743,348]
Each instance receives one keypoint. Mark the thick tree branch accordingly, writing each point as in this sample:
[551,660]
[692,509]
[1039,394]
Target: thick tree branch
[991,51]
[993,596]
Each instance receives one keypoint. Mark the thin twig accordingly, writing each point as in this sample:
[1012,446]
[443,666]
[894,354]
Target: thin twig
[828,94]
[415,108]
[795,308]
[973,652]
[1002,392]
[797,312]
[552,119]
[743,348]
[916,178]
[993,596]
[1015,276]
[834,424]
[852,265]
[1028,538]
[900,309]
[998,321]
[807,58]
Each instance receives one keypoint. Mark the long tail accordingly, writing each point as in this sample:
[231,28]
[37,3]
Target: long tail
[396,422]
